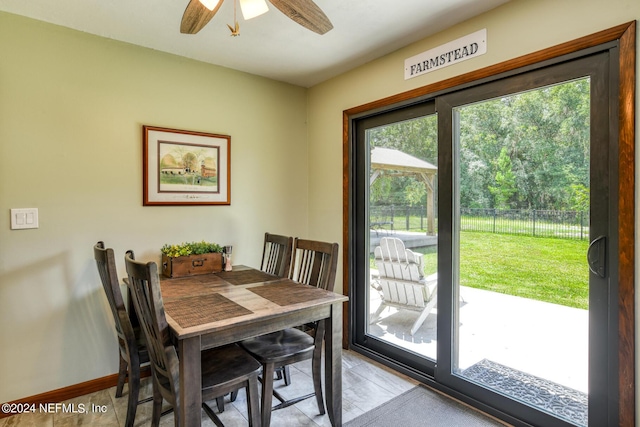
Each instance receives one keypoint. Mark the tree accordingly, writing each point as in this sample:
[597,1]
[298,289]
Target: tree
[528,150]
[546,134]
[579,198]
[415,193]
[505,181]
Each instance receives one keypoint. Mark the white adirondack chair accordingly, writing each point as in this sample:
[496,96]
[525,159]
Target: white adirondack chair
[402,282]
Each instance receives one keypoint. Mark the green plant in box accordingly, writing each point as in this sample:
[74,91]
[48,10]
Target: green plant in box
[192,248]
[188,259]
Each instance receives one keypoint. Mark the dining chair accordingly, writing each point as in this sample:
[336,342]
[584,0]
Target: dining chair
[314,263]
[401,281]
[132,346]
[276,260]
[224,369]
[276,254]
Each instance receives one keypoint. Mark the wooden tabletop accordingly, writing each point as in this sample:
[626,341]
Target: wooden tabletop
[228,299]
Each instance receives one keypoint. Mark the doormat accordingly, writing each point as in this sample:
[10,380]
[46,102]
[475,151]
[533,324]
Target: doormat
[555,399]
[423,407]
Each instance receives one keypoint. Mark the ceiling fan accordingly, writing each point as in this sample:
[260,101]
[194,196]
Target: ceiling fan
[305,12]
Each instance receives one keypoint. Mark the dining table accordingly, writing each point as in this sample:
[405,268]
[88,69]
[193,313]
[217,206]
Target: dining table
[212,310]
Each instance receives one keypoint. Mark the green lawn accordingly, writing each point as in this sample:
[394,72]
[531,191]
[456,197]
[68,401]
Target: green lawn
[544,269]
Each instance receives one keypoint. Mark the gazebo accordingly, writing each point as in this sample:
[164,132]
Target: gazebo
[398,163]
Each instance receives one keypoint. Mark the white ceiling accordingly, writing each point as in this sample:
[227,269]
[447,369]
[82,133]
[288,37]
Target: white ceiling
[270,45]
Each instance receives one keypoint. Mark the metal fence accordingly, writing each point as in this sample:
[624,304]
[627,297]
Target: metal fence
[541,223]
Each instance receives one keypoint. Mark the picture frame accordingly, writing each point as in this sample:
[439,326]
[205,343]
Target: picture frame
[182,167]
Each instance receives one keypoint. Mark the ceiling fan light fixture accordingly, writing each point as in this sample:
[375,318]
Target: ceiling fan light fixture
[252,8]
[210,4]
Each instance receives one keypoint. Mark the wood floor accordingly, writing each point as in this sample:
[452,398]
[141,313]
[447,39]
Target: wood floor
[366,385]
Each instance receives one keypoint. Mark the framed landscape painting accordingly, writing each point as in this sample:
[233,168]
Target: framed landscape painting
[185,168]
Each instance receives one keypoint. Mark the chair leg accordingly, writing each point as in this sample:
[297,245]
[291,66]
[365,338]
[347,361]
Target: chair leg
[423,316]
[212,415]
[253,401]
[234,396]
[122,375]
[316,370]
[220,404]
[157,407]
[267,393]
[282,372]
[134,391]
[375,316]
[287,375]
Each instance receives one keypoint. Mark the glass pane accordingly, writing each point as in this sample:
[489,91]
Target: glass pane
[522,281]
[403,234]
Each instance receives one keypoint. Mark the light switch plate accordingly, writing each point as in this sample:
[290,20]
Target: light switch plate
[24,218]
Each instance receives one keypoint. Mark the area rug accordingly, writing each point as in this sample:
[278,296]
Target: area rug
[553,398]
[422,407]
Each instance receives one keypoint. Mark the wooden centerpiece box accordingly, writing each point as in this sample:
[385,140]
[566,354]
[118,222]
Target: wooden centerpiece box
[190,259]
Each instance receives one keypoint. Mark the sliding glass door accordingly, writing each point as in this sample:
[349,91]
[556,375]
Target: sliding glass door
[483,227]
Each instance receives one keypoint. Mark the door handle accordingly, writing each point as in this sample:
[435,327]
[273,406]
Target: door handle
[596,256]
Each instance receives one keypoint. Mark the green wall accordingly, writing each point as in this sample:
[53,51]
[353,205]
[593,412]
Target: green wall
[72,108]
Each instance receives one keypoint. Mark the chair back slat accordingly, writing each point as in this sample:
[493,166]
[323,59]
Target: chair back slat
[144,284]
[276,254]
[315,263]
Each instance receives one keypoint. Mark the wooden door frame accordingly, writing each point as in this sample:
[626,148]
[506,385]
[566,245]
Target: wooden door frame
[624,36]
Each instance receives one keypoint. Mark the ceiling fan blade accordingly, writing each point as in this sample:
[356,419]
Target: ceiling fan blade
[305,13]
[196,16]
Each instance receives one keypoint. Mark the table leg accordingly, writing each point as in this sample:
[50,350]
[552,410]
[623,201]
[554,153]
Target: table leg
[333,364]
[190,382]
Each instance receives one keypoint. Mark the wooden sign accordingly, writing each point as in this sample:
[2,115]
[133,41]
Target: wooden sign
[459,50]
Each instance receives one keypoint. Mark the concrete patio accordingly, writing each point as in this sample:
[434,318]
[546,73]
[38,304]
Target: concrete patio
[542,339]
